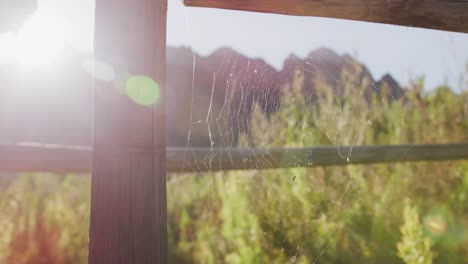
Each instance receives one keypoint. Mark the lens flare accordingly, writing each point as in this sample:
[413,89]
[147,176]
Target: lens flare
[440,226]
[142,90]
[436,225]
[99,70]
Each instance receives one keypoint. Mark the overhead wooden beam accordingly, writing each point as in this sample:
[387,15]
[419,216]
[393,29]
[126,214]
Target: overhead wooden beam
[450,15]
[63,159]
[128,222]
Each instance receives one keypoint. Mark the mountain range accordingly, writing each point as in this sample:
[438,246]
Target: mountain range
[211,97]
[226,84]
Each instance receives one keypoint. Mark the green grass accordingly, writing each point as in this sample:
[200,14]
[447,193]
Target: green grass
[384,213]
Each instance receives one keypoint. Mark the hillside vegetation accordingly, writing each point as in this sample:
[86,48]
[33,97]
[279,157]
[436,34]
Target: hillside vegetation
[384,213]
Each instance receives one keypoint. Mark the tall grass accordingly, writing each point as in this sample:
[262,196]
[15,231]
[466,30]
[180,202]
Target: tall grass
[383,213]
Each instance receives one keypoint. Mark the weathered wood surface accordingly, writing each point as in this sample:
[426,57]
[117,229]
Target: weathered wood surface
[128,194]
[28,157]
[31,157]
[450,15]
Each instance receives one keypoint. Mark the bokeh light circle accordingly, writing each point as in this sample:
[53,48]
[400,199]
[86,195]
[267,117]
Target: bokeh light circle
[142,90]
[99,70]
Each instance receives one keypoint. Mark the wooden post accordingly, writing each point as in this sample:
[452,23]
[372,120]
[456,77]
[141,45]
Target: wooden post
[128,197]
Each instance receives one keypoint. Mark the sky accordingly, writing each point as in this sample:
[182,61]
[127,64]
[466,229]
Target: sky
[401,51]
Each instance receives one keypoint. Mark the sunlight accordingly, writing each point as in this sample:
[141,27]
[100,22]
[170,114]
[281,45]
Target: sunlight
[39,43]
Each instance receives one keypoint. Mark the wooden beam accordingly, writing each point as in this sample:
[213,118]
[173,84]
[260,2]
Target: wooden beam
[450,15]
[274,158]
[128,193]
[27,157]
[34,157]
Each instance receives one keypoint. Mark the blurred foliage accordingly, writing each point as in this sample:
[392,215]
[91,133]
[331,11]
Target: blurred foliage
[383,213]
[414,247]
[44,218]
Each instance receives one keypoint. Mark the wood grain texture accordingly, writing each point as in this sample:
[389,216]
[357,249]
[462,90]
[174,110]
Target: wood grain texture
[20,158]
[449,15]
[128,193]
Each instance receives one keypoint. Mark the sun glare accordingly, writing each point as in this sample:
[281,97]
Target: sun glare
[38,43]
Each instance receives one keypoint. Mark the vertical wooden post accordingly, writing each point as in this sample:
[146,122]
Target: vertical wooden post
[128,197]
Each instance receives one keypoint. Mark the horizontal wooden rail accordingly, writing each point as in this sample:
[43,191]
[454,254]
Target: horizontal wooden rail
[31,157]
[450,15]
[62,159]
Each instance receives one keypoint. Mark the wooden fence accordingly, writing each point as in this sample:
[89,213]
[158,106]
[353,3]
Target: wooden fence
[129,160]
[62,159]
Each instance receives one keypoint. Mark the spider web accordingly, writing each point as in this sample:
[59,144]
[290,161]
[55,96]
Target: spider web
[232,105]
[247,105]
